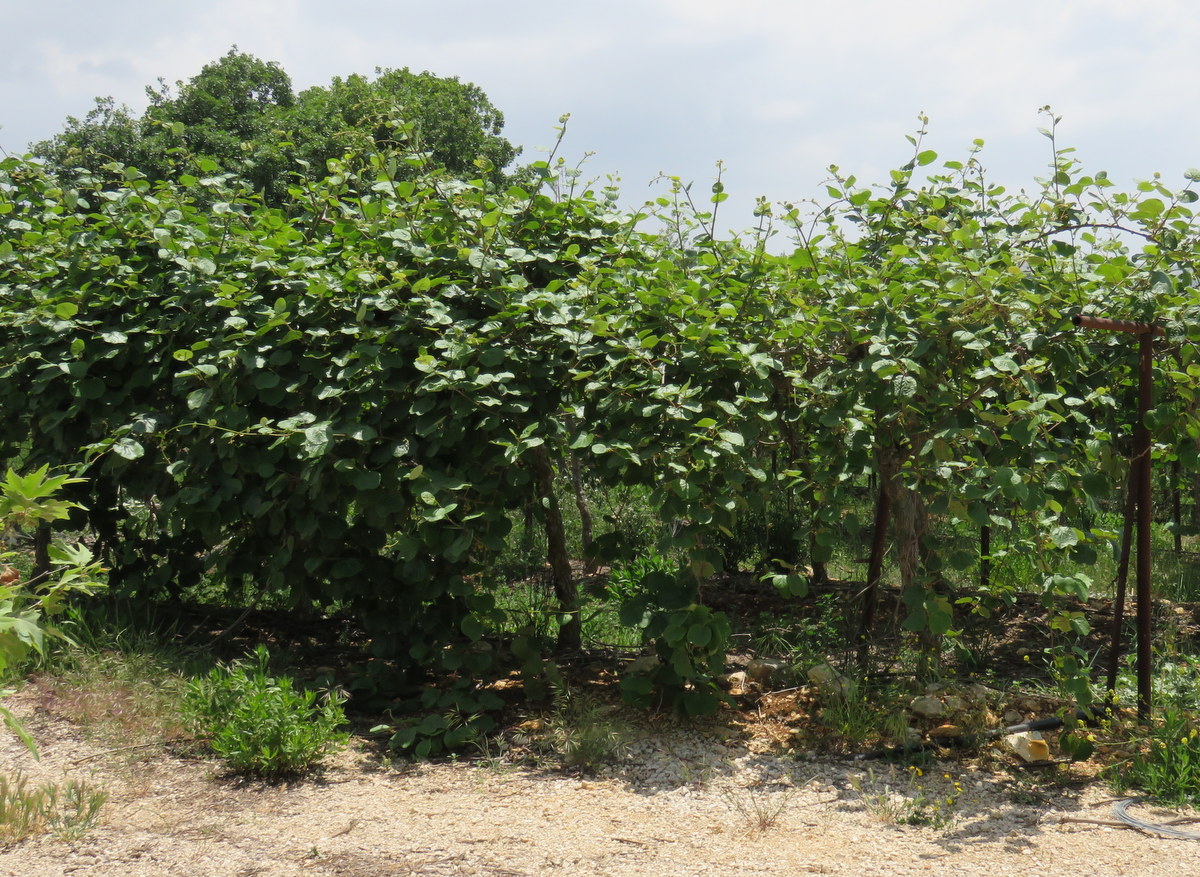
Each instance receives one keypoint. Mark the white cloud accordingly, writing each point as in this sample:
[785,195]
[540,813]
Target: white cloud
[777,88]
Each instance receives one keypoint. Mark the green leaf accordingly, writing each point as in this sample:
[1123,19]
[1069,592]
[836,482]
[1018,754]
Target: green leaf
[128,448]
[1064,537]
[472,628]
[904,386]
[317,439]
[1006,364]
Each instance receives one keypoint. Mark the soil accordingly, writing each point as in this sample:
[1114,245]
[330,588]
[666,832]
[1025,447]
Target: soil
[686,800]
[745,793]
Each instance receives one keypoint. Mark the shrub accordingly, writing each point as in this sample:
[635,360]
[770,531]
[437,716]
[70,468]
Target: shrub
[262,725]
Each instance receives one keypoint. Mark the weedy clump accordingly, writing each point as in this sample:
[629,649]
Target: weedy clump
[68,811]
[759,806]
[582,732]
[909,799]
[1167,765]
[261,725]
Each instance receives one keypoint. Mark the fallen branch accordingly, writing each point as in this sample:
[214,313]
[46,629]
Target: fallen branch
[137,746]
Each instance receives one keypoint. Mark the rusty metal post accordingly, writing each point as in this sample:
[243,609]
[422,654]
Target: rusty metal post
[1176,507]
[1146,333]
[1118,625]
[985,558]
[1141,452]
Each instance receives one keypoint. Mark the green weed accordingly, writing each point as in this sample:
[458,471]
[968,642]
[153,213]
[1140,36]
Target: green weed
[580,733]
[68,811]
[909,798]
[803,640]
[583,734]
[259,724]
[1168,766]
[864,718]
[759,807]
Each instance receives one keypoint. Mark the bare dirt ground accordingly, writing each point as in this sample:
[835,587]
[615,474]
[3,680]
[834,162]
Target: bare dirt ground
[682,803]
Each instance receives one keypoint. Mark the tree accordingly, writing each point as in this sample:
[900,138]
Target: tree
[454,122]
[242,113]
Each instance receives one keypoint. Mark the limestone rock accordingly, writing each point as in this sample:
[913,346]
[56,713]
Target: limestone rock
[644,664]
[955,704]
[928,706]
[764,671]
[982,693]
[830,681]
[734,683]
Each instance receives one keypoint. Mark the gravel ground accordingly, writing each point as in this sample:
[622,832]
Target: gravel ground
[680,803]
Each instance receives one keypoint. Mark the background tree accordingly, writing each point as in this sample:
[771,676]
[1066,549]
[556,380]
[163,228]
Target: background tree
[242,113]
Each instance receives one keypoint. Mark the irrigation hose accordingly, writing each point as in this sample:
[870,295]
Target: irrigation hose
[1121,811]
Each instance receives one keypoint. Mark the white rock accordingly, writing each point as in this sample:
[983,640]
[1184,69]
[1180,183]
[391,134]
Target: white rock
[831,681]
[765,670]
[955,704]
[928,706]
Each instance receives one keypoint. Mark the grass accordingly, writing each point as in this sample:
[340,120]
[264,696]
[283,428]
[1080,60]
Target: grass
[757,805]
[121,680]
[909,797]
[581,733]
[68,811]
[119,698]
[865,718]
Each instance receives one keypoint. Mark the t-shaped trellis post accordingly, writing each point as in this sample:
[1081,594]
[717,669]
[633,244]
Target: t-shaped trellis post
[1140,483]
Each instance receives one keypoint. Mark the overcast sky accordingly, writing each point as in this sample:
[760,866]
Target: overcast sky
[777,89]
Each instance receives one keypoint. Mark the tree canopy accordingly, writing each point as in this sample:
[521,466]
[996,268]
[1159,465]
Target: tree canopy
[242,113]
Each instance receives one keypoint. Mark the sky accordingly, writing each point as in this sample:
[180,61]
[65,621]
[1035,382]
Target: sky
[777,90]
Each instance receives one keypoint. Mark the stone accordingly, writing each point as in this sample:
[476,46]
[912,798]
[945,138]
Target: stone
[955,704]
[644,664]
[945,732]
[928,706]
[766,670]
[830,681]
[734,683]
[982,693]
[1030,746]
[1012,717]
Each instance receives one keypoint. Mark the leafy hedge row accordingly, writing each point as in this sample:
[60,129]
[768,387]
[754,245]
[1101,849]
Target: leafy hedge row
[345,398]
